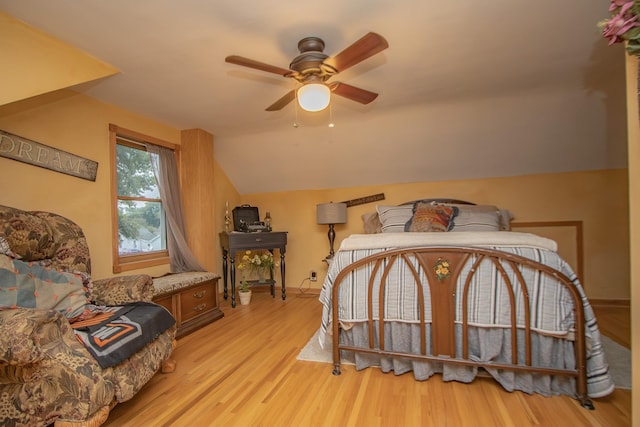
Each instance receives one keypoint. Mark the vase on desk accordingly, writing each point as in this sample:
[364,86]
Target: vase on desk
[262,275]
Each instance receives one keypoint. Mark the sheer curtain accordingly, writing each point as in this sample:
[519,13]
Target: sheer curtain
[166,171]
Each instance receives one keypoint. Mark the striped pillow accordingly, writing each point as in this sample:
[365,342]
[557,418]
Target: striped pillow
[394,218]
[477,218]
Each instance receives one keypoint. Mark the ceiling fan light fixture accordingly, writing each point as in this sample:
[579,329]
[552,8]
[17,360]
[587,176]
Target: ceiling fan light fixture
[314,97]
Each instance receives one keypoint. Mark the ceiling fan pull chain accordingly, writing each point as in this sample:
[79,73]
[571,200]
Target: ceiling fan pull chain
[331,125]
[295,123]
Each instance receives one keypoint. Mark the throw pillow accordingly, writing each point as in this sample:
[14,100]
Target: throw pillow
[394,218]
[427,218]
[477,218]
[505,219]
[371,223]
[30,285]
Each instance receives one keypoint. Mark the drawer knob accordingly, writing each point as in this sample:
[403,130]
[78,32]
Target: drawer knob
[200,294]
[258,239]
[199,307]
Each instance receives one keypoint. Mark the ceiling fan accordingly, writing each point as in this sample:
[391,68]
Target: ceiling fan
[312,68]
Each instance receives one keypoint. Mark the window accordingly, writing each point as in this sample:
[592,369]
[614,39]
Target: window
[140,213]
[138,218]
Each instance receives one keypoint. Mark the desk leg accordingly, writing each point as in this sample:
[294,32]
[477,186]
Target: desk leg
[224,272]
[272,286]
[233,282]
[284,291]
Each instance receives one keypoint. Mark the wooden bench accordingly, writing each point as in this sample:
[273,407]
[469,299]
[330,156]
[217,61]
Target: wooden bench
[192,298]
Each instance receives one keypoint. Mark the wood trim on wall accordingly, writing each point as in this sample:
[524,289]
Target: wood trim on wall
[198,195]
[140,137]
[619,303]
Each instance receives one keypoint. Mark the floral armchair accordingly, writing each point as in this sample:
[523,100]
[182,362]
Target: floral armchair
[47,375]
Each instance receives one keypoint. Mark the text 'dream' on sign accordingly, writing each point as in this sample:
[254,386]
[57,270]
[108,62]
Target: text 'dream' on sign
[24,150]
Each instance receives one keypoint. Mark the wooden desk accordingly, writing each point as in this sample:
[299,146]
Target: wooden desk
[234,241]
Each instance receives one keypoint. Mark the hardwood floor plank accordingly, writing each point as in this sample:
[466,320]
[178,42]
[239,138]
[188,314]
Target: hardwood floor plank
[242,371]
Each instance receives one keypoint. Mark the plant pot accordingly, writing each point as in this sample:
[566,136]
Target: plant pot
[245,297]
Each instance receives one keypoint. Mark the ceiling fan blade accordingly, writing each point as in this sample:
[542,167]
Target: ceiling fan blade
[367,46]
[282,102]
[353,93]
[245,62]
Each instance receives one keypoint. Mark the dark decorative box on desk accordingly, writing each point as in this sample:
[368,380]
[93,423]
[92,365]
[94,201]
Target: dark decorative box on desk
[247,218]
[235,242]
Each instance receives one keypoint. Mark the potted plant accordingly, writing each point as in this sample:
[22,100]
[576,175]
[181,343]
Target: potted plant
[244,292]
[259,263]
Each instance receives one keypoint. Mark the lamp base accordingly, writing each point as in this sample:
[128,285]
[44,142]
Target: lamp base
[332,238]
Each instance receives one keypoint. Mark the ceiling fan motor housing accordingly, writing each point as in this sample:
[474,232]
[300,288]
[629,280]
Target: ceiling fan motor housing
[310,62]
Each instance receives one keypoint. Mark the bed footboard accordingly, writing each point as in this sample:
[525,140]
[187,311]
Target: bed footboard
[445,277]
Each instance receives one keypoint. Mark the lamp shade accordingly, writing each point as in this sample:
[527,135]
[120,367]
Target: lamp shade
[314,97]
[331,213]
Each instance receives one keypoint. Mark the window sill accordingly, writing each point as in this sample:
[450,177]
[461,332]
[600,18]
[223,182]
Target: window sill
[135,264]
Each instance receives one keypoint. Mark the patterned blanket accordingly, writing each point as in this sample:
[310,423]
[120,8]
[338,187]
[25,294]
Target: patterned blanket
[116,333]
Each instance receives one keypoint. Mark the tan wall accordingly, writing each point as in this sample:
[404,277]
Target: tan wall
[598,198]
[80,125]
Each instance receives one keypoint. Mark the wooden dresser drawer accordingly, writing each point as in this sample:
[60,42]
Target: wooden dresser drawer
[166,302]
[196,300]
[190,297]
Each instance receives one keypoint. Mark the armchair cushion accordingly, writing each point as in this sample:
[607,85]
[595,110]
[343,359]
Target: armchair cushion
[47,373]
[5,249]
[20,334]
[30,285]
[28,235]
[37,236]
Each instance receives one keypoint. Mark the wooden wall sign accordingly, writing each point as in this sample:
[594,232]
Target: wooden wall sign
[27,151]
[363,200]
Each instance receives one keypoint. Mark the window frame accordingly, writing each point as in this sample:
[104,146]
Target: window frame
[130,262]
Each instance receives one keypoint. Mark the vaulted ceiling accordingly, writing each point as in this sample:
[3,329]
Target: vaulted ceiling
[467,89]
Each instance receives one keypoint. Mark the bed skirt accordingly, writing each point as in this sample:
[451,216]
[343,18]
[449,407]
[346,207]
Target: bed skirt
[485,345]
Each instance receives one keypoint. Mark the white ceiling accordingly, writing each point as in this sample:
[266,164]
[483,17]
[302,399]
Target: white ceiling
[468,89]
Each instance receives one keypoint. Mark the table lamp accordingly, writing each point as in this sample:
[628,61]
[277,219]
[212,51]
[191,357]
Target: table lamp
[331,213]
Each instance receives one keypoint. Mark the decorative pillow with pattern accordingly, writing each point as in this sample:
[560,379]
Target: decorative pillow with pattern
[30,285]
[429,218]
[394,218]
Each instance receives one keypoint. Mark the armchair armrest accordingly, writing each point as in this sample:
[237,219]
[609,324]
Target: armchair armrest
[24,334]
[122,289]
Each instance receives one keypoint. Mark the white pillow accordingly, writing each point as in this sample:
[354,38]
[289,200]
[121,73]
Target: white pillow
[394,218]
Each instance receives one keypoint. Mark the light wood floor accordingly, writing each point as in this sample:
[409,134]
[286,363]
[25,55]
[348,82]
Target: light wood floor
[242,371]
